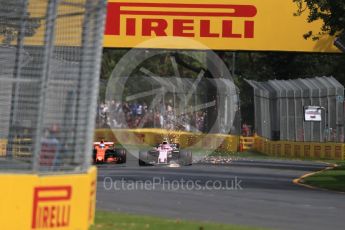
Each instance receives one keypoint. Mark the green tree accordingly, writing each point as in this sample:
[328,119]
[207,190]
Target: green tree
[331,12]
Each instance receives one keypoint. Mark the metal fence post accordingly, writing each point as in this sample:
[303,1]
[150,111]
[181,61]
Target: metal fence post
[17,74]
[48,51]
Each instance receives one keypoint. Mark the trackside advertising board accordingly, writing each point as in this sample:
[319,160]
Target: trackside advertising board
[258,25]
[313,113]
[49,202]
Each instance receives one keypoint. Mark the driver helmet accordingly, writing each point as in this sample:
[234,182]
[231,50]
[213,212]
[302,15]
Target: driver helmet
[102,145]
[165,143]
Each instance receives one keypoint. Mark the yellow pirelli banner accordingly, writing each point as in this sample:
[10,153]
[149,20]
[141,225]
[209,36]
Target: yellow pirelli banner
[47,202]
[262,25]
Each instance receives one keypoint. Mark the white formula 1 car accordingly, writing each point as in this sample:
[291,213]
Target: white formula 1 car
[165,154]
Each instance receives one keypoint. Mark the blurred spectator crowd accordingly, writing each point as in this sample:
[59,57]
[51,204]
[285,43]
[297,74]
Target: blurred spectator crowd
[119,115]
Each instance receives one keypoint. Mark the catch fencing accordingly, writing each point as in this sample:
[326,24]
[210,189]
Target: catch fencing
[280,105]
[50,54]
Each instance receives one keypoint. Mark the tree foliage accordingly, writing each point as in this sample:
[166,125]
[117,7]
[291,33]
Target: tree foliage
[331,12]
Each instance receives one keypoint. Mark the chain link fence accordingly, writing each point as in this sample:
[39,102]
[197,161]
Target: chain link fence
[50,52]
[279,109]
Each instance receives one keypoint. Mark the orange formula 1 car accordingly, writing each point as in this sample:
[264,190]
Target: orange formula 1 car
[105,152]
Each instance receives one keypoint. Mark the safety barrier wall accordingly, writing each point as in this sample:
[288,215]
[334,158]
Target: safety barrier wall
[246,143]
[48,202]
[3,144]
[300,150]
[185,139]
[151,137]
[21,147]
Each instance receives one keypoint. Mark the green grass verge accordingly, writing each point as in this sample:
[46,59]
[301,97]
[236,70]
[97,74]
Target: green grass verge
[119,221]
[333,179]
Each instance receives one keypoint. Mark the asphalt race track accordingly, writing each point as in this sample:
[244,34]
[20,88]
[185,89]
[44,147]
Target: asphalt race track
[255,193]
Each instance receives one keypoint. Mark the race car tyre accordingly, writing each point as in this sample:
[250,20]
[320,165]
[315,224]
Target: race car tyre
[122,154]
[186,157]
[143,157]
[109,153]
[94,155]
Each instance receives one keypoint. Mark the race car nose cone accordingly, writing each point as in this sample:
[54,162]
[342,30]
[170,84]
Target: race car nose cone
[174,166]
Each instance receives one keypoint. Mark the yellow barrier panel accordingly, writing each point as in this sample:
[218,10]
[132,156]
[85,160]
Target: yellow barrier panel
[3,144]
[247,143]
[300,150]
[296,151]
[47,202]
[185,139]
[339,152]
[20,147]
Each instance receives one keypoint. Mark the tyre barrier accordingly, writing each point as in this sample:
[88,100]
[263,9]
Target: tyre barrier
[3,144]
[300,150]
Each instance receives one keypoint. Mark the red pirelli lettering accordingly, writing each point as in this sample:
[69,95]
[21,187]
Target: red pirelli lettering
[156,26]
[183,28]
[51,207]
[183,25]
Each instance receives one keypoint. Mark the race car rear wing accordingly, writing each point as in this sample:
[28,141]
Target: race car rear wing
[105,143]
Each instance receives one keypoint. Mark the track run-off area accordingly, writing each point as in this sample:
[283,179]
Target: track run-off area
[258,193]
